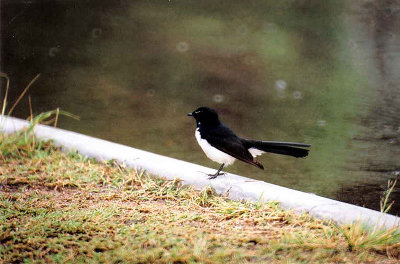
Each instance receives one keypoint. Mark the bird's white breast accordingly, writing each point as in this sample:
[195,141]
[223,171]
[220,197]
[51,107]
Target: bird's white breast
[214,153]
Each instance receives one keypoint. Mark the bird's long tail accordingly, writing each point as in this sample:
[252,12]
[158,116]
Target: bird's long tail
[284,148]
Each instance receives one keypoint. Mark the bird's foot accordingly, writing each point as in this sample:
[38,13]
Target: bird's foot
[215,175]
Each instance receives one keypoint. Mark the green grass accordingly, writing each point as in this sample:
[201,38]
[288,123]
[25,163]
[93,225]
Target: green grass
[64,207]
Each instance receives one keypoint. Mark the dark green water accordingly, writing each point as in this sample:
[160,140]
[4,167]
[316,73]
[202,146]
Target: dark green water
[324,73]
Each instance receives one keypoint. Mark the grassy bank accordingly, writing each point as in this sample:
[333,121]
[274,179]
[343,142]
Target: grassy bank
[64,207]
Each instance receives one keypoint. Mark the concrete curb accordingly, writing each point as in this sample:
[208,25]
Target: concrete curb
[235,186]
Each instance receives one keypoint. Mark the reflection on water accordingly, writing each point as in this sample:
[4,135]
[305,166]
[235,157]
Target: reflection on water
[322,73]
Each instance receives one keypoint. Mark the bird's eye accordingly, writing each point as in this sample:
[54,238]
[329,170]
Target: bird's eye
[197,112]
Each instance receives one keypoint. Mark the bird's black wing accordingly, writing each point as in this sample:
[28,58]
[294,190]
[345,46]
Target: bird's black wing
[224,139]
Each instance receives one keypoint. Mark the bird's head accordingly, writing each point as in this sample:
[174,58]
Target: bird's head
[205,115]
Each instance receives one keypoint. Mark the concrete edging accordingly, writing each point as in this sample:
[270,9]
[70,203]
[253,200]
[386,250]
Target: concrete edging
[235,186]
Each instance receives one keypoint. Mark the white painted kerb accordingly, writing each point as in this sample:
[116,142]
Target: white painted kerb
[236,186]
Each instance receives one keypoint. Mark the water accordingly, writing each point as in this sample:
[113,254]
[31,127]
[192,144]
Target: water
[322,73]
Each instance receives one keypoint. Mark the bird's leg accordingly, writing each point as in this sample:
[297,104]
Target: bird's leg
[213,176]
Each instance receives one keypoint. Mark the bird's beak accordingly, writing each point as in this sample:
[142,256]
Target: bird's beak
[190,114]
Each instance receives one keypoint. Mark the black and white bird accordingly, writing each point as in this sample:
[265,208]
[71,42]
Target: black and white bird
[221,145]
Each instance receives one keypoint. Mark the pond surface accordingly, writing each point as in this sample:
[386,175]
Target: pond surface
[322,73]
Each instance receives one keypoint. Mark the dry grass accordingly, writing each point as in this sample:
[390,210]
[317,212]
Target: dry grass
[64,207]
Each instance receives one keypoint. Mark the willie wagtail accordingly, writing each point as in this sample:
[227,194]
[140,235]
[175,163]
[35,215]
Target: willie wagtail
[221,145]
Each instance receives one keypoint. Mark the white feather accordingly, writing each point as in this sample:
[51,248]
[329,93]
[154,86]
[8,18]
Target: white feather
[214,153]
[255,152]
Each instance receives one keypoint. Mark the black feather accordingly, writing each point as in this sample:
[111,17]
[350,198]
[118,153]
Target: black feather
[223,138]
[283,148]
